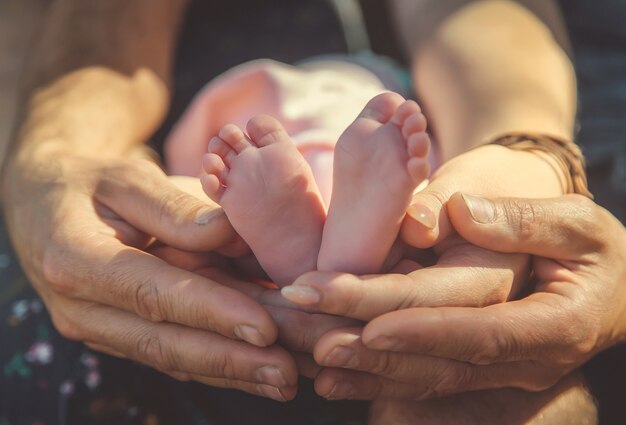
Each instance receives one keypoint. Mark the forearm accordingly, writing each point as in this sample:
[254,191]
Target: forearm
[97,81]
[493,67]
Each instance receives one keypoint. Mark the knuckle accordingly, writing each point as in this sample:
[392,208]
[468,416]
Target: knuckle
[446,380]
[345,299]
[169,203]
[384,365]
[222,366]
[498,289]
[580,336]
[523,216]
[592,225]
[454,380]
[149,349]
[66,326]
[493,347]
[147,300]
[55,270]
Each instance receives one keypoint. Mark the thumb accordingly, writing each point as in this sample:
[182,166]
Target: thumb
[143,196]
[564,228]
[426,222]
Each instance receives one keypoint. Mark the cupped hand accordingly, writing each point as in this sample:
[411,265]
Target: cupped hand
[81,228]
[489,170]
[577,309]
[464,274]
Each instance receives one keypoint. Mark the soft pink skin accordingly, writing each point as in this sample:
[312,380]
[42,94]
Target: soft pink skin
[269,195]
[379,161]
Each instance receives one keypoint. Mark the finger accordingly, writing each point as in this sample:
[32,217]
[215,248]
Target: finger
[105,349]
[300,331]
[542,327]
[430,376]
[138,282]
[268,391]
[489,171]
[174,348]
[142,195]
[186,260]
[426,222]
[343,348]
[478,278]
[123,231]
[565,228]
[306,365]
[341,384]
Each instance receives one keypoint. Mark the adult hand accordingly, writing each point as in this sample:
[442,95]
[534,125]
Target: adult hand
[464,274]
[578,308]
[298,328]
[490,170]
[81,228]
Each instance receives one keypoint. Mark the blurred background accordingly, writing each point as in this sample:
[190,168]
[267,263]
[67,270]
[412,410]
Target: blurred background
[19,20]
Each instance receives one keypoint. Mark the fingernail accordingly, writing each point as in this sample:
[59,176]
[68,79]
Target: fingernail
[341,357]
[385,342]
[206,215]
[423,215]
[304,295]
[270,392]
[251,335]
[341,389]
[482,210]
[271,375]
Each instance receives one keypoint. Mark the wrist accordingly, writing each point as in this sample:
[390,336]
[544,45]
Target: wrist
[94,110]
[540,172]
[507,172]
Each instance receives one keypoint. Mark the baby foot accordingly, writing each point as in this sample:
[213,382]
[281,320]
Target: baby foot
[379,161]
[268,192]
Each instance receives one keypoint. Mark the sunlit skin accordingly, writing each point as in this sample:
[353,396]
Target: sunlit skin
[268,192]
[84,117]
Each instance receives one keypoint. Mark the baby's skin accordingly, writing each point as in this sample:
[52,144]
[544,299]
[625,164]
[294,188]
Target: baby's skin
[379,161]
[268,192]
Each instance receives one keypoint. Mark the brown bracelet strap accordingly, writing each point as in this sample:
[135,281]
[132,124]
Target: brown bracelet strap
[566,153]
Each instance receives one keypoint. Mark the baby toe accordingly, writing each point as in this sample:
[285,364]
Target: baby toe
[405,110]
[418,145]
[382,107]
[265,130]
[414,123]
[235,138]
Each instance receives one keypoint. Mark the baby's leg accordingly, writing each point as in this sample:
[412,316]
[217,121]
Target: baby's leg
[379,161]
[269,195]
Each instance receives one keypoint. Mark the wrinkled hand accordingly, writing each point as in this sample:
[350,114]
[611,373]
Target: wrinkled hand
[460,278]
[299,329]
[464,275]
[81,228]
[578,308]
